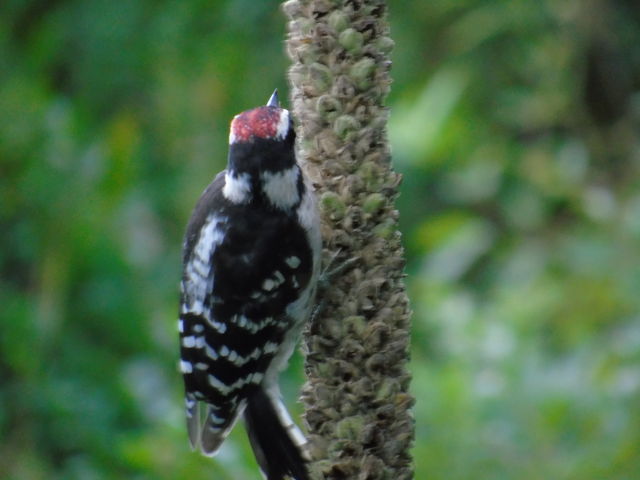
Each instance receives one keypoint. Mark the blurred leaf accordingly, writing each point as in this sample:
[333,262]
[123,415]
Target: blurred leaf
[417,124]
[520,209]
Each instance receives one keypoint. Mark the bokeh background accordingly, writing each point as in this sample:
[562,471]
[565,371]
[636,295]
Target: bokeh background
[516,125]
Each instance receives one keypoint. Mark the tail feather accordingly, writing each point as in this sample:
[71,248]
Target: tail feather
[277,442]
[193,420]
[216,428]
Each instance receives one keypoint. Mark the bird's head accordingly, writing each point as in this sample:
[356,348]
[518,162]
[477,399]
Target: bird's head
[262,157]
[266,123]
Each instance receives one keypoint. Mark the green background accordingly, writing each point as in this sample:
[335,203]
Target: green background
[516,126]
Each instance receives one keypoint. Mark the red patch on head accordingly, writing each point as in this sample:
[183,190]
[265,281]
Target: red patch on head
[261,122]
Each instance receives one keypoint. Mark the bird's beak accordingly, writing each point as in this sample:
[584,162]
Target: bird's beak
[273,100]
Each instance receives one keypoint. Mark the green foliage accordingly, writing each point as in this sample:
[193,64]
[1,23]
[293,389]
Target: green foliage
[520,213]
[515,125]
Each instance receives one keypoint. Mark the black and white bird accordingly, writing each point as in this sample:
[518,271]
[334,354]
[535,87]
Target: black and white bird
[251,258]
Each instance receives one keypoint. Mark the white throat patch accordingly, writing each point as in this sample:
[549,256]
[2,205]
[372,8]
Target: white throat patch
[281,189]
[237,188]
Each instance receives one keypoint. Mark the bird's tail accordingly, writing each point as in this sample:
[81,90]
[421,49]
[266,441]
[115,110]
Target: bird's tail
[278,444]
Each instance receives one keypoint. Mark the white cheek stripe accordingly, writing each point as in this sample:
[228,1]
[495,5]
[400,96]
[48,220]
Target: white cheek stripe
[281,188]
[237,189]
